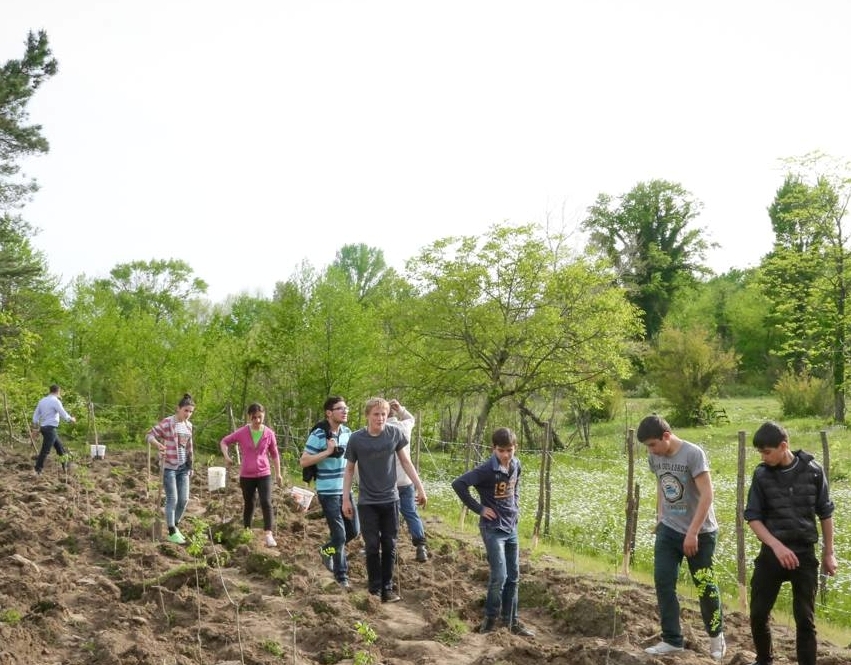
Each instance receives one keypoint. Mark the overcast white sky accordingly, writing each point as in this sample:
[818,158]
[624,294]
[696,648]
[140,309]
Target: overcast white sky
[245,137]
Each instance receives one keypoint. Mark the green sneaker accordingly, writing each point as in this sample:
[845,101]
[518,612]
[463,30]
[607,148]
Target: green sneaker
[176,538]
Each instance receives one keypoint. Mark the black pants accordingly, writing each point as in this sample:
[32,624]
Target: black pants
[379,524]
[50,440]
[263,487]
[768,576]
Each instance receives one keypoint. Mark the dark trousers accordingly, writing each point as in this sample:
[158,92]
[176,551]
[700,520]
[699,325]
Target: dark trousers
[379,524]
[250,487]
[668,555]
[768,576]
[50,440]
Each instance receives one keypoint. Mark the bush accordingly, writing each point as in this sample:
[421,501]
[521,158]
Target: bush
[804,395]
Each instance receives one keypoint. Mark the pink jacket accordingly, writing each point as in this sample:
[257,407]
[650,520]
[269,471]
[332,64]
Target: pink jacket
[255,459]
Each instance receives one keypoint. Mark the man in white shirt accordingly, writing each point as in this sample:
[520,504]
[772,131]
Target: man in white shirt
[46,417]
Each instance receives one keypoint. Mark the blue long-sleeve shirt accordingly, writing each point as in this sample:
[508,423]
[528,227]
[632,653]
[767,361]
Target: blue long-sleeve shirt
[497,490]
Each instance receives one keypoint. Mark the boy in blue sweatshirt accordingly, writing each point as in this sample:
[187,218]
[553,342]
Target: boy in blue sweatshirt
[497,482]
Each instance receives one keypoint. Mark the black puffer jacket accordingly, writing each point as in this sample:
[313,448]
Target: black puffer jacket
[787,500]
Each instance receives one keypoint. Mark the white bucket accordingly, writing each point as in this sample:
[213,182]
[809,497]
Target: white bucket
[97,451]
[216,476]
[302,497]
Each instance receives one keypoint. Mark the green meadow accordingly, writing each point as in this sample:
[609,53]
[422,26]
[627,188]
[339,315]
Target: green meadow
[589,491]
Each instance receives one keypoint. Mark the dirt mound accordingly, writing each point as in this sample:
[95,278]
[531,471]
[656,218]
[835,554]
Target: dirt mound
[85,580]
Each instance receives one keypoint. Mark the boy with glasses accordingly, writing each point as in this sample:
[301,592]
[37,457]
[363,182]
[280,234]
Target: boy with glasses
[325,448]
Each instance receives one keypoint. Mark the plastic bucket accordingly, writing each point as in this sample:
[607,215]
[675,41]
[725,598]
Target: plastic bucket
[302,497]
[216,476]
[97,451]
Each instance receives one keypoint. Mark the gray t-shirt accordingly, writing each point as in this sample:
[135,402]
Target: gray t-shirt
[675,475]
[376,460]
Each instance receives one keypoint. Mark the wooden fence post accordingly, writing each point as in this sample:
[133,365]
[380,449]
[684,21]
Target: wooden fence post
[741,568]
[629,534]
[825,455]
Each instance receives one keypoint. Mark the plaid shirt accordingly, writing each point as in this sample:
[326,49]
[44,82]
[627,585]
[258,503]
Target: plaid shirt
[165,431]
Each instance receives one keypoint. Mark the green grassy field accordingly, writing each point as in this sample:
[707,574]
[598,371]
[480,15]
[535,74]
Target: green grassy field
[589,489]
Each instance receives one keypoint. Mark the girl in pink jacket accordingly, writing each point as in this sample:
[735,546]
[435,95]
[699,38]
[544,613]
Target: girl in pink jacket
[257,445]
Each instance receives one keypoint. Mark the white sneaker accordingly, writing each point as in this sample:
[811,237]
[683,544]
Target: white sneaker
[270,540]
[717,646]
[662,648]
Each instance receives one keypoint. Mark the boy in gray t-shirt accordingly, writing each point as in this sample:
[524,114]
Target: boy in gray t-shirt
[374,449]
[685,527]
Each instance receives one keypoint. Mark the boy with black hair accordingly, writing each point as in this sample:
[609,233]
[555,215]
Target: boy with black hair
[685,527]
[325,448]
[788,491]
[497,482]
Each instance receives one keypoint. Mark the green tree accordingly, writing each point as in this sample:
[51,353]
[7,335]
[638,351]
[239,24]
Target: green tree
[138,347]
[505,317]
[688,367]
[19,79]
[806,276]
[30,311]
[158,287]
[363,266]
[648,236]
[734,307]
[29,304]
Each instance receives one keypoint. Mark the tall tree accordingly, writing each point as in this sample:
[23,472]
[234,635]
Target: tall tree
[648,236]
[160,287]
[503,318]
[364,267]
[808,271]
[19,79]
[29,304]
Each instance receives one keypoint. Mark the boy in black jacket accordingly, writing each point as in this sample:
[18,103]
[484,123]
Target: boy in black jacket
[787,493]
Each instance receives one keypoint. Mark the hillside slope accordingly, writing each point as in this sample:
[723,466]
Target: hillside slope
[83,581]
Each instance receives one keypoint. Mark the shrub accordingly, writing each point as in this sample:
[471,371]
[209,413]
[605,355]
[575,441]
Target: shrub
[804,395]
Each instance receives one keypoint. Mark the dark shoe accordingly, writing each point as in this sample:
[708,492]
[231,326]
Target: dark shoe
[488,625]
[422,553]
[327,554]
[390,596]
[519,629]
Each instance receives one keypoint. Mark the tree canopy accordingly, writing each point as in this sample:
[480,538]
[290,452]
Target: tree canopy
[648,235]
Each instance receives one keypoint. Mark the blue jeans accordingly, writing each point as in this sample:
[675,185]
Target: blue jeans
[380,529]
[176,485]
[50,439]
[503,551]
[408,508]
[667,556]
[341,529]
[768,576]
